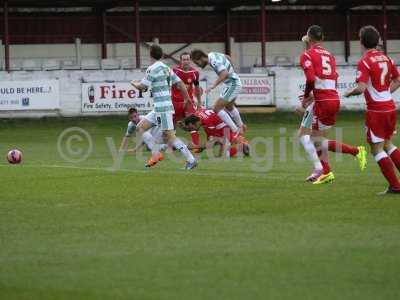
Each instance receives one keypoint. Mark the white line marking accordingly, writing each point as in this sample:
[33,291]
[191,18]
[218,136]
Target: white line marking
[291,176]
[154,171]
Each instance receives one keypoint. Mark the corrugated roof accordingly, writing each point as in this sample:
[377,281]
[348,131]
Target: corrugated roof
[180,3]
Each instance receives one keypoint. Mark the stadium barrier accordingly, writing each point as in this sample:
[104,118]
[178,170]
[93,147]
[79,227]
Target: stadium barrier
[101,92]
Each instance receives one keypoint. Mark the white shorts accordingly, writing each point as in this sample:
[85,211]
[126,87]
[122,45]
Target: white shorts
[372,137]
[230,91]
[163,120]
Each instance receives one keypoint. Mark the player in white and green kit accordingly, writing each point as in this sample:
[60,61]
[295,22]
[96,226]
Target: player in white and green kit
[222,65]
[159,77]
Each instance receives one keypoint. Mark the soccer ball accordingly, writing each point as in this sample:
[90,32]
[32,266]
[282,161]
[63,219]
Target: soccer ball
[14,156]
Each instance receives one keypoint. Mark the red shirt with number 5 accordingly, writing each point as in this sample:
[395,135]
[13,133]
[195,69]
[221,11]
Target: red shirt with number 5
[319,67]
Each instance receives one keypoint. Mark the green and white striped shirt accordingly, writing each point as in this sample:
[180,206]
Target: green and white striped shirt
[160,78]
[219,63]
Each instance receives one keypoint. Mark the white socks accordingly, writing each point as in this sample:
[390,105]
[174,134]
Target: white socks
[380,155]
[163,147]
[152,144]
[179,145]
[311,151]
[148,139]
[227,120]
[234,113]
[391,150]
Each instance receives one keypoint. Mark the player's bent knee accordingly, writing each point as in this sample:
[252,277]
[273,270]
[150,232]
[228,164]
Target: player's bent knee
[230,106]
[376,147]
[388,145]
[303,131]
[169,135]
[219,105]
[143,125]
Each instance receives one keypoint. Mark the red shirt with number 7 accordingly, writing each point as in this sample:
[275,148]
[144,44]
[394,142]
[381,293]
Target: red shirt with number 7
[377,70]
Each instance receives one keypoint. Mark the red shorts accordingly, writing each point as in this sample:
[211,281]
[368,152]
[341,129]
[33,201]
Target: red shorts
[181,112]
[380,125]
[221,133]
[325,114]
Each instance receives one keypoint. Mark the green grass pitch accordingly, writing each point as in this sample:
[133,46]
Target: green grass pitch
[222,231]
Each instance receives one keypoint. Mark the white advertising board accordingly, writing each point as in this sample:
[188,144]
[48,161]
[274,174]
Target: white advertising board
[114,97]
[29,95]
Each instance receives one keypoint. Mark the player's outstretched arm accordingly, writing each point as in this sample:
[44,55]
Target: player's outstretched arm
[182,88]
[135,149]
[309,73]
[124,143]
[221,78]
[197,90]
[394,85]
[140,86]
[306,101]
[358,90]
[230,59]
[299,110]
[197,94]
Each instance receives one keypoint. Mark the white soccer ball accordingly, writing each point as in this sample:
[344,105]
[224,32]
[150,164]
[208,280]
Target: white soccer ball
[14,156]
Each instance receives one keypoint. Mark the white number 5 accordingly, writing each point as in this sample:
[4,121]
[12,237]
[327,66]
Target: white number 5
[326,65]
[384,67]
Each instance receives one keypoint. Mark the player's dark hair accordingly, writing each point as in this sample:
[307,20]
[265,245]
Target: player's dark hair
[369,37]
[184,53]
[316,33]
[132,110]
[197,54]
[156,52]
[192,119]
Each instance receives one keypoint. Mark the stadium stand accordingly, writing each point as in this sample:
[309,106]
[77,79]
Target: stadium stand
[353,59]
[269,62]
[90,64]
[51,65]
[31,65]
[283,60]
[127,63]
[70,65]
[110,49]
[110,64]
[15,65]
[341,61]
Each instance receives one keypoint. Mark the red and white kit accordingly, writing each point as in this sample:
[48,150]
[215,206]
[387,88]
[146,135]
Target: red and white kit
[213,125]
[319,67]
[191,79]
[217,130]
[377,70]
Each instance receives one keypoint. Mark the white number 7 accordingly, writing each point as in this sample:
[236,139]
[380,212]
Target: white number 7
[326,65]
[384,67]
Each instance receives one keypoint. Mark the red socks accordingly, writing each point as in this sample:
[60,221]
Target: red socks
[387,169]
[195,138]
[233,151]
[325,165]
[335,146]
[394,154]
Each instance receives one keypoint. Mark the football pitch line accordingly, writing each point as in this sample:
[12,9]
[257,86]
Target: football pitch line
[153,171]
[290,176]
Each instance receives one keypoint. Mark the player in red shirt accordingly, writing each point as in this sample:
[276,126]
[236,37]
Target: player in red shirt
[190,78]
[217,132]
[305,131]
[378,78]
[319,67]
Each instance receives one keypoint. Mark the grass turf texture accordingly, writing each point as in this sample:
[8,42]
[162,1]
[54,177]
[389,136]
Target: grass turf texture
[222,231]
